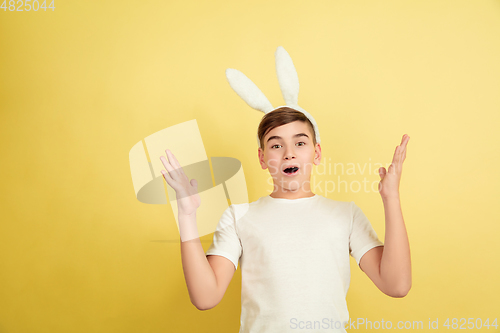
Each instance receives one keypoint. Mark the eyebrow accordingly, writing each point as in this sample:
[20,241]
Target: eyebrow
[295,136]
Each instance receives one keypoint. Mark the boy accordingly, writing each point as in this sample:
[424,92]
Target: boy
[293,245]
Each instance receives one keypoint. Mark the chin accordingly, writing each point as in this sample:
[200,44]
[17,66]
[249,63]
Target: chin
[292,185]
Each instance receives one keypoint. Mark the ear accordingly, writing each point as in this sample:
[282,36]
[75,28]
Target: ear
[317,154]
[289,84]
[248,91]
[287,77]
[261,159]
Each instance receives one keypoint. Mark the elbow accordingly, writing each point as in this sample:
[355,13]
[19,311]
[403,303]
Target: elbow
[400,292]
[204,307]
[203,302]
[201,308]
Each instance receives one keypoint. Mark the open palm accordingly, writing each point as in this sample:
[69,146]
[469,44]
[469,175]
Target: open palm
[188,199]
[389,180]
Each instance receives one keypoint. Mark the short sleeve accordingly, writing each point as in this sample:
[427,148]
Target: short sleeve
[226,242]
[362,237]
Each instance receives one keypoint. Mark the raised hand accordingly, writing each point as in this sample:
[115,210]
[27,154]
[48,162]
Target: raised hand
[389,180]
[188,199]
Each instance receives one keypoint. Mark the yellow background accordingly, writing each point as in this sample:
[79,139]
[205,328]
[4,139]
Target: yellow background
[79,86]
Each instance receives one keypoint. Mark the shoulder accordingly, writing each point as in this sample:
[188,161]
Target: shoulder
[356,211]
[239,210]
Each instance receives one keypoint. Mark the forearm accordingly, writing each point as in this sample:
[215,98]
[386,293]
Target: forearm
[199,275]
[395,264]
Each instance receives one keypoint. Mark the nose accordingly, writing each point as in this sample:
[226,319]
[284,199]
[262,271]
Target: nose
[289,153]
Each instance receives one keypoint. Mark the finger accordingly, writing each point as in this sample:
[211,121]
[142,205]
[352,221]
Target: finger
[171,158]
[166,164]
[407,138]
[172,172]
[392,169]
[395,157]
[399,159]
[167,177]
[382,172]
[403,153]
[175,163]
[398,155]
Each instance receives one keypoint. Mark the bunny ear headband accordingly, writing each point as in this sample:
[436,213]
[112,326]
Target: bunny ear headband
[289,85]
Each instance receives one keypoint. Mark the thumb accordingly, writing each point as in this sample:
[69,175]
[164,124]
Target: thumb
[194,183]
[382,172]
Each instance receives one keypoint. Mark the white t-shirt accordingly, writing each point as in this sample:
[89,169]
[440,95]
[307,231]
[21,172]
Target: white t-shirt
[294,256]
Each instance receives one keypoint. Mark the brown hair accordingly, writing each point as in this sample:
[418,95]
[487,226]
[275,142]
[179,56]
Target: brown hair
[281,116]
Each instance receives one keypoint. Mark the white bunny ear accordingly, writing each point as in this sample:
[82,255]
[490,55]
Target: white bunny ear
[287,77]
[248,91]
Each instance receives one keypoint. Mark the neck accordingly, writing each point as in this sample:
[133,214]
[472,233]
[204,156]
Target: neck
[281,193]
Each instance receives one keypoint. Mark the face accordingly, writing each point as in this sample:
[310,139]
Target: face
[290,145]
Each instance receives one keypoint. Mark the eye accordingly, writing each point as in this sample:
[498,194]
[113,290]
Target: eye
[280,145]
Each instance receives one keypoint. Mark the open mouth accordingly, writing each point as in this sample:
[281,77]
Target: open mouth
[291,171]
